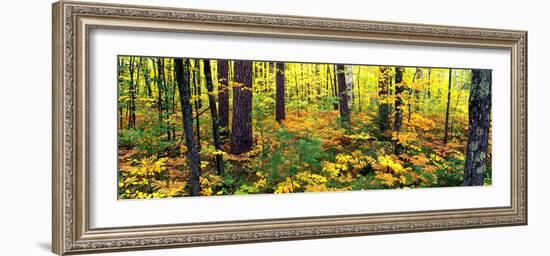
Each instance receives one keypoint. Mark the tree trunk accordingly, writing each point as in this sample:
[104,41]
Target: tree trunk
[350,85]
[280,92]
[193,160]
[335,86]
[359,89]
[479,123]
[197,102]
[147,78]
[241,125]
[120,93]
[399,89]
[160,86]
[214,114]
[132,105]
[223,97]
[343,95]
[446,137]
[383,106]
[166,104]
[417,75]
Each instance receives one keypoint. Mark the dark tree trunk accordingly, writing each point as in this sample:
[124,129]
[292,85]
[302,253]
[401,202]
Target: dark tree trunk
[417,75]
[132,105]
[160,86]
[198,102]
[383,106]
[399,89]
[360,103]
[193,160]
[173,98]
[120,92]
[327,82]
[223,97]
[479,123]
[166,103]
[335,86]
[343,95]
[214,114]
[241,125]
[280,92]
[446,137]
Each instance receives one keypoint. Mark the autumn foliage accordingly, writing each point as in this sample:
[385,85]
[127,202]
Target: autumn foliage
[311,146]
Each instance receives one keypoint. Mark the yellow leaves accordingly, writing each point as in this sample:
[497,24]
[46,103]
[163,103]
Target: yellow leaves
[388,163]
[354,162]
[310,178]
[286,186]
[149,166]
[404,138]
[343,159]
[359,136]
[208,182]
[333,169]
[391,172]
[169,188]
[386,178]
[128,181]
[204,164]
[206,191]
[419,159]
[143,195]
[240,86]
[435,158]
[422,123]
[316,188]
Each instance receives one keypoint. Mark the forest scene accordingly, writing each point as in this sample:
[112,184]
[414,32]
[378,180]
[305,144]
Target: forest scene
[211,127]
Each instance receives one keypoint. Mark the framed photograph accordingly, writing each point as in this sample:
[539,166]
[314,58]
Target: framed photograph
[178,127]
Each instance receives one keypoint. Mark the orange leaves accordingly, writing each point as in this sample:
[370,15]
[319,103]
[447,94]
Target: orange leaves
[419,160]
[386,178]
[421,123]
[404,138]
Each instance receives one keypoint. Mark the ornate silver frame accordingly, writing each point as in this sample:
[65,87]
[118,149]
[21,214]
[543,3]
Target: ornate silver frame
[72,21]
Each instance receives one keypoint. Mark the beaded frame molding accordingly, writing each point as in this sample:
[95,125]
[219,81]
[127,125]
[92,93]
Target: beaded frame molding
[72,22]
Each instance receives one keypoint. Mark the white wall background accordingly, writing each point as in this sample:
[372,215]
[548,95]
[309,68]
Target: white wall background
[25,140]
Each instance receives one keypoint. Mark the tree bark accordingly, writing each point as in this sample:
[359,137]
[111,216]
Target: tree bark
[383,107]
[446,137]
[350,85]
[223,96]
[479,123]
[343,95]
[417,75]
[120,92]
[166,104]
[360,103]
[398,123]
[132,89]
[193,158]
[280,92]
[160,86]
[335,87]
[198,101]
[214,115]
[147,78]
[241,125]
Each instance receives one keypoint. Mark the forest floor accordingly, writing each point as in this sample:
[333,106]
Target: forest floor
[309,151]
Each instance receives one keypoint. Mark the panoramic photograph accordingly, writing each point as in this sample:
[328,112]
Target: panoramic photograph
[214,127]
